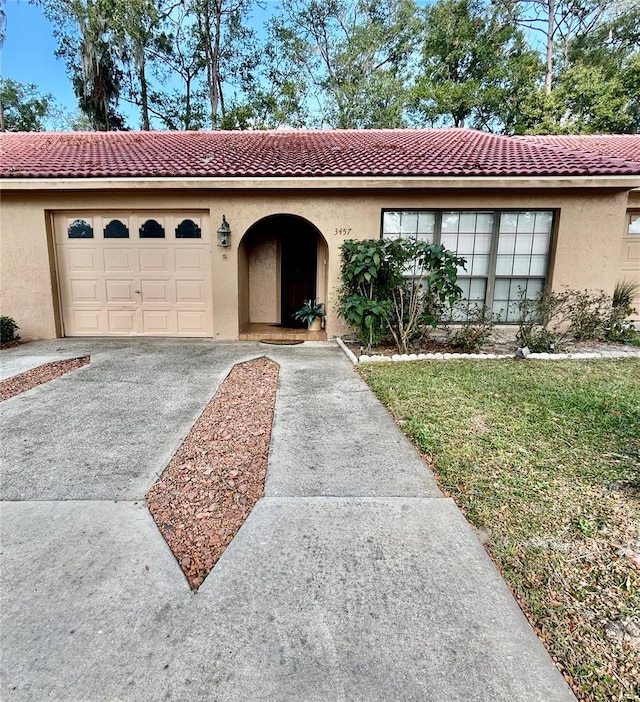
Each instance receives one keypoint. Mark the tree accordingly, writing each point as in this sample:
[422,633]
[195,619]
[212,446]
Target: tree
[558,22]
[24,108]
[86,44]
[3,22]
[177,58]
[352,58]
[134,24]
[598,87]
[224,41]
[274,89]
[476,67]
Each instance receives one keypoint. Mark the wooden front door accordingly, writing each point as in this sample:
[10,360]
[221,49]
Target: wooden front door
[299,254]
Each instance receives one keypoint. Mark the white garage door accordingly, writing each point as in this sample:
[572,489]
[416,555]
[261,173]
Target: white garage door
[134,273]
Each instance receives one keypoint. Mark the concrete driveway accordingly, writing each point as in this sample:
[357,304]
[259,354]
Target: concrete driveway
[353,579]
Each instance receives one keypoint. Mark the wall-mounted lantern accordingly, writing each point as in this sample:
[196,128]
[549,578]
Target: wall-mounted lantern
[224,233]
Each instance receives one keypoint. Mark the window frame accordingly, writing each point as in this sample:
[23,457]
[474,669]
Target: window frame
[80,224]
[149,220]
[497,213]
[633,212]
[195,227]
[123,227]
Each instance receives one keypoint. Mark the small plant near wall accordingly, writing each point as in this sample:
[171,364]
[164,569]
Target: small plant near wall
[471,335]
[311,313]
[8,328]
[539,322]
[619,330]
[397,288]
[623,295]
[548,321]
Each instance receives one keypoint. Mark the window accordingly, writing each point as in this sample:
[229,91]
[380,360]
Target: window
[80,230]
[506,252]
[151,230]
[634,223]
[116,230]
[188,229]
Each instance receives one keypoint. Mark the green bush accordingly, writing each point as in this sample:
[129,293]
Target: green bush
[544,323]
[623,295]
[473,333]
[396,288]
[540,321]
[8,328]
[588,313]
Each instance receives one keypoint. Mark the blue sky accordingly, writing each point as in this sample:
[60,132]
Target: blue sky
[28,54]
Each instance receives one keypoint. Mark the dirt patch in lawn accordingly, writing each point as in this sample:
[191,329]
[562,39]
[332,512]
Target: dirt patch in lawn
[38,376]
[218,473]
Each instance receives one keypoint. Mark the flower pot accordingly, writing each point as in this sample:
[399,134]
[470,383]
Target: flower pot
[316,325]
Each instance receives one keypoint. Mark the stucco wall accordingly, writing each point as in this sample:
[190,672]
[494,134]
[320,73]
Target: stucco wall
[586,255]
[25,274]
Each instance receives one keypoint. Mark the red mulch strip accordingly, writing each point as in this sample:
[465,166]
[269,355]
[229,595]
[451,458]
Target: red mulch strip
[218,473]
[38,376]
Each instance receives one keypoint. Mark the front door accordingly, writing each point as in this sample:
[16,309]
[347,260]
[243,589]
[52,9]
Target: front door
[299,253]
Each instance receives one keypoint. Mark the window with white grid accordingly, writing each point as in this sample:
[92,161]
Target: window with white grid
[506,252]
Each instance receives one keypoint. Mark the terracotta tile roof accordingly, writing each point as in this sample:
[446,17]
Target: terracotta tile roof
[618,146]
[292,153]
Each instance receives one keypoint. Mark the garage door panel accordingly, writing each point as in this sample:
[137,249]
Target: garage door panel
[191,260]
[192,323]
[157,291]
[88,290]
[191,291]
[83,260]
[110,285]
[120,259]
[122,321]
[631,251]
[160,322]
[155,259]
[88,321]
[121,290]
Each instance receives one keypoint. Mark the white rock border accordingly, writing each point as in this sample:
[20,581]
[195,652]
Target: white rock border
[399,357]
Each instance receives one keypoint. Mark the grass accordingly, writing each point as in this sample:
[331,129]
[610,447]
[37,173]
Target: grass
[544,458]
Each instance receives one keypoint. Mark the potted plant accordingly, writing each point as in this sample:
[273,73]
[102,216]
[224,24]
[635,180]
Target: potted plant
[311,312]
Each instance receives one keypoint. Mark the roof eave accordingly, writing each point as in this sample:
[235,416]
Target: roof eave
[328,182]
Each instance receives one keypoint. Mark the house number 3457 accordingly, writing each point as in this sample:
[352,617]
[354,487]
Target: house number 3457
[343,231]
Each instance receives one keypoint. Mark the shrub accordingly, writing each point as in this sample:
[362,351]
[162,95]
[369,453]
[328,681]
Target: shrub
[623,295]
[8,328]
[474,333]
[588,313]
[544,323]
[538,326]
[396,287]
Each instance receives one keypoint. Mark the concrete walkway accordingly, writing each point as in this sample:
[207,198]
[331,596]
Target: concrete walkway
[353,579]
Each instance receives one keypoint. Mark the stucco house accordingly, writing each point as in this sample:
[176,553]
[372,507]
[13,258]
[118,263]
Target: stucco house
[123,234]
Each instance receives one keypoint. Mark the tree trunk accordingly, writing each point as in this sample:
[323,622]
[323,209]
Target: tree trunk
[214,76]
[144,97]
[187,104]
[2,127]
[551,4]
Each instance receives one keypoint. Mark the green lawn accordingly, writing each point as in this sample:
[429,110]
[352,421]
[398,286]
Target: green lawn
[544,459]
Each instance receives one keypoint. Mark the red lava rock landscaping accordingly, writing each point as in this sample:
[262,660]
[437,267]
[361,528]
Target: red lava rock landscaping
[38,376]
[218,473]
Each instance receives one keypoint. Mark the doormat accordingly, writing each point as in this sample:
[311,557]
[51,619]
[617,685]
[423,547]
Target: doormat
[282,342]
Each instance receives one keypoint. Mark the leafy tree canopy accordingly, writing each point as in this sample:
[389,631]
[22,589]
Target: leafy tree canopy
[24,108]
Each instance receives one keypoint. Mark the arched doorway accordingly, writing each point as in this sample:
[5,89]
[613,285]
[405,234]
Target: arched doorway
[282,261]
